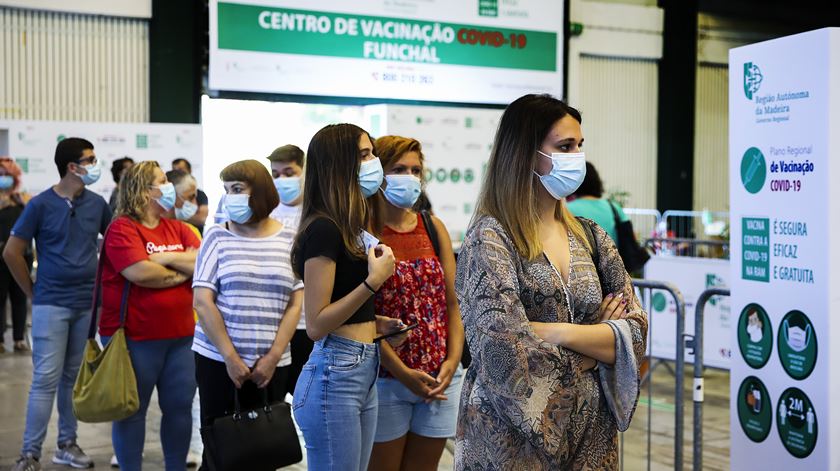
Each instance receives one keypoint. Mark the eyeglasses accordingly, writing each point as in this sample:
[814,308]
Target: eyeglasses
[87,161]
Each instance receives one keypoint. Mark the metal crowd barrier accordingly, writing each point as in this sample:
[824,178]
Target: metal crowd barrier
[684,247]
[645,222]
[695,343]
[685,224]
[645,288]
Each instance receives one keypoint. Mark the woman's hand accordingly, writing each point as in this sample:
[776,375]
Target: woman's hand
[380,265]
[263,370]
[444,378]
[613,307]
[420,384]
[388,325]
[237,370]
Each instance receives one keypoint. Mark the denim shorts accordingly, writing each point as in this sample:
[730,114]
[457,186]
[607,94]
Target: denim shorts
[401,411]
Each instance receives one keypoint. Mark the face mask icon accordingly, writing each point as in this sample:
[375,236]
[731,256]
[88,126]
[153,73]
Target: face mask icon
[796,337]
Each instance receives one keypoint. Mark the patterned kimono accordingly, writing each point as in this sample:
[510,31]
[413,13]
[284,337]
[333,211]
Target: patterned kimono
[526,404]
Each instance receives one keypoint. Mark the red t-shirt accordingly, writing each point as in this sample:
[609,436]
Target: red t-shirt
[153,314]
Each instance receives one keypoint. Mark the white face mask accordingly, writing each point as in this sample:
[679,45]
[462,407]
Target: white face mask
[797,338]
[755,333]
[566,174]
[186,211]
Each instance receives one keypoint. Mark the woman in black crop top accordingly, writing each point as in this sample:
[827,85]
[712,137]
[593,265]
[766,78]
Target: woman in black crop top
[335,400]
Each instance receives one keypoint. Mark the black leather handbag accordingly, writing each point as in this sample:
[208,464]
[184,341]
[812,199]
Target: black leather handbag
[260,439]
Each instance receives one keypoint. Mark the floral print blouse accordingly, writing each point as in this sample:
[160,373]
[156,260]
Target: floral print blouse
[527,404]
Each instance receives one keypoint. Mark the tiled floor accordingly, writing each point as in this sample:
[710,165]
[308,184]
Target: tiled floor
[16,370]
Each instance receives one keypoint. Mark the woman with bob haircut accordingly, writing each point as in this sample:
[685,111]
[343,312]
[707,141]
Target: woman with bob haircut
[247,298]
[552,322]
[342,267]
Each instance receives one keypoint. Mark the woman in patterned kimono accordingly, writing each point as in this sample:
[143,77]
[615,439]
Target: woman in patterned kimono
[555,341]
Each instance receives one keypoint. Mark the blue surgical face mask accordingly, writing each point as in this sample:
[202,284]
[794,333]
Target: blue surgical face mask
[566,174]
[370,176]
[288,188]
[6,182]
[402,190]
[185,212]
[167,197]
[94,171]
[237,208]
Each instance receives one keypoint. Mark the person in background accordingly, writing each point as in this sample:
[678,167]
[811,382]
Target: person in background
[12,202]
[420,382]
[65,221]
[156,255]
[342,267]
[287,171]
[247,297]
[536,319]
[117,168]
[200,217]
[588,202]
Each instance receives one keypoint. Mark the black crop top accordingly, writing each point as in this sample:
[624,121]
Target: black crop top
[323,239]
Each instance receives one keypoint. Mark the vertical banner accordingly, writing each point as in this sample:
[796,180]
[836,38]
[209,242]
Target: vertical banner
[783,112]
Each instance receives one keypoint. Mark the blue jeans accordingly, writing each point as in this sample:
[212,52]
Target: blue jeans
[58,344]
[335,404]
[168,365]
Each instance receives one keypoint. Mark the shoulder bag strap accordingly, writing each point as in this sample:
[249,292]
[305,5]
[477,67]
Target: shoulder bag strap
[615,213]
[595,253]
[431,230]
[97,291]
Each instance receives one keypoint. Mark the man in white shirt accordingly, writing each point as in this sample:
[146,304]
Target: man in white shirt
[287,170]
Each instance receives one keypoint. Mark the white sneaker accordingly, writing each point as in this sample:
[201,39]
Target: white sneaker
[193,460]
[114,462]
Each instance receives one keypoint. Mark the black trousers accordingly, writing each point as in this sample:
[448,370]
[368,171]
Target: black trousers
[301,346]
[215,392]
[10,290]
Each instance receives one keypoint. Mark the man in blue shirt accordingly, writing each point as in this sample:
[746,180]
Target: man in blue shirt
[65,222]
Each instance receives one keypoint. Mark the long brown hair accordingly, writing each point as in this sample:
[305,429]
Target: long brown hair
[390,149]
[332,187]
[509,192]
[133,197]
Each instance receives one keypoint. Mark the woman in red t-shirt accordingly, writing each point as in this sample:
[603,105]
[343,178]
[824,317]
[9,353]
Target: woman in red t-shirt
[419,387]
[153,257]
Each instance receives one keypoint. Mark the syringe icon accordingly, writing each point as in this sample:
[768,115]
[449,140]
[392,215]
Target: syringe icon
[754,165]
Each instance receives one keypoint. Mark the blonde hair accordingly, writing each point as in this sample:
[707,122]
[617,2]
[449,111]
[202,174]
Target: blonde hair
[509,192]
[133,198]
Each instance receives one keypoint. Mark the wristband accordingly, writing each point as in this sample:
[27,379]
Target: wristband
[372,291]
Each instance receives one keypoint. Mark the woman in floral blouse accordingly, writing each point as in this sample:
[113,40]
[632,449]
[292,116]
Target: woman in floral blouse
[420,381]
[555,340]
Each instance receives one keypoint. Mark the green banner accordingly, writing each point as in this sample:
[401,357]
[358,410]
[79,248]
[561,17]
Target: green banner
[315,33]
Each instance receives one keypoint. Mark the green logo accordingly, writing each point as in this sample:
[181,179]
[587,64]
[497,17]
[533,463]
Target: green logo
[659,302]
[797,345]
[23,163]
[755,251]
[60,138]
[797,422]
[754,411]
[714,281]
[753,170]
[454,175]
[488,8]
[468,123]
[142,141]
[752,79]
[755,335]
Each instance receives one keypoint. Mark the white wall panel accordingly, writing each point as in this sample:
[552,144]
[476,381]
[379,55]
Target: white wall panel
[60,66]
[618,100]
[711,139]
